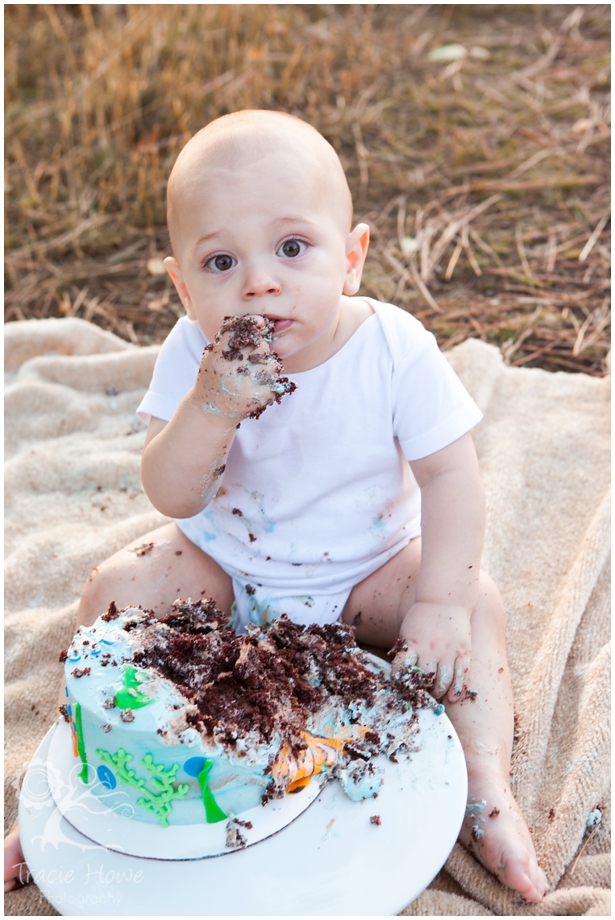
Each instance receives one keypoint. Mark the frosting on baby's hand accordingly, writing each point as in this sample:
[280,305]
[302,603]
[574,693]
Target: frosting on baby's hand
[239,374]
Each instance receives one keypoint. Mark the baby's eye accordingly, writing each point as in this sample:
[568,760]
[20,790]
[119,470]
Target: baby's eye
[292,248]
[220,263]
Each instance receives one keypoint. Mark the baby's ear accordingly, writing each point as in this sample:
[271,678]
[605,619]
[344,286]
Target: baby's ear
[174,270]
[356,251]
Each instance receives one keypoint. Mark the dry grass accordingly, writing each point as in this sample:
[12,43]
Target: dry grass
[485,178]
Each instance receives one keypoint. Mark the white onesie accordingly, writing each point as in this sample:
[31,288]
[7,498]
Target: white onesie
[316,494]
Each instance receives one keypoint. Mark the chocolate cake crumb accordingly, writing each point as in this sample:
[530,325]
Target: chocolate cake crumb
[219,470]
[64,710]
[81,672]
[494,813]
[240,823]
[400,646]
[106,728]
[63,656]
[111,614]
[245,333]
[250,590]
[238,512]
[234,838]
[376,819]
[127,715]
[255,683]
[252,538]
[551,814]
[143,549]
[110,703]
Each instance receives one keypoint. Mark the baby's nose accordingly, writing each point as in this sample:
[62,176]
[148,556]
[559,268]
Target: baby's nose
[259,284]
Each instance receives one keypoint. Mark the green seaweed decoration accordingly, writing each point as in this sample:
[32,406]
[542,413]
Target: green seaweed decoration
[83,773]
[213,812]
[130,696]
[158,799]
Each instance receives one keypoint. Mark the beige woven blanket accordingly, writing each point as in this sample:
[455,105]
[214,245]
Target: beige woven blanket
[73,497]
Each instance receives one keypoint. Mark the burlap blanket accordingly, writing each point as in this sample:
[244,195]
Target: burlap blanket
[73,497]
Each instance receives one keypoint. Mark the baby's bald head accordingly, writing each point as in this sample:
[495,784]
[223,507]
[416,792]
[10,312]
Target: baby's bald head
[234,142]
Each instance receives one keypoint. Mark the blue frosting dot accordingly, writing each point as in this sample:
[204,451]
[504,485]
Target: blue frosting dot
[194,766]
[106,777]
[96,651]
[75,656]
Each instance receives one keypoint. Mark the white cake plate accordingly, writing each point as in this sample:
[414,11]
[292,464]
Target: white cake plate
[334,859]
[91,816]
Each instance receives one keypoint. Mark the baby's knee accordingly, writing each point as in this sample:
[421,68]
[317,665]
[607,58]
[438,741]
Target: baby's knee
[97,594]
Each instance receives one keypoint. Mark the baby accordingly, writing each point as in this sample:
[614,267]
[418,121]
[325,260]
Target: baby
[355,495]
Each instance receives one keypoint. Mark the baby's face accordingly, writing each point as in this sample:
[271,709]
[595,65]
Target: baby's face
[266,239]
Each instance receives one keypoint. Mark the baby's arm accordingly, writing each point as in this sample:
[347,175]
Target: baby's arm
[183,459]
[436,629]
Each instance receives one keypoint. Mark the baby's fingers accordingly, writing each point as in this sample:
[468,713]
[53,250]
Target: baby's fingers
[460,680]
[444,679]
[242,334]
[403,664]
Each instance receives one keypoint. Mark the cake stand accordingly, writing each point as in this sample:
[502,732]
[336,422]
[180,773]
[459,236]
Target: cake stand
[336,858]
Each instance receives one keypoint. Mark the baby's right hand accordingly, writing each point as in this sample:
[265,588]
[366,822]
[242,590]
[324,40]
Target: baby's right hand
[239,375]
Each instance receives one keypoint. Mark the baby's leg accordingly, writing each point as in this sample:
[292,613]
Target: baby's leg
[494,828]
[15,869]
[151,572]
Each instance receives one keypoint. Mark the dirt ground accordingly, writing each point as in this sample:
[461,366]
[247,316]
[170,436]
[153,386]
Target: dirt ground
[475,137]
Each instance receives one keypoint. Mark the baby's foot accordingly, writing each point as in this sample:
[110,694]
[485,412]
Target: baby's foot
[15,870]
[494,830]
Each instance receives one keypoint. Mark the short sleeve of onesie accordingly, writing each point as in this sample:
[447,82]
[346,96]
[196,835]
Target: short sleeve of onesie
[176,369]
[431,407]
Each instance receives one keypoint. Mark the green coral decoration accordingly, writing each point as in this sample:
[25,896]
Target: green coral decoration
[213,812]
[83,773]
[159,798]
[130,696]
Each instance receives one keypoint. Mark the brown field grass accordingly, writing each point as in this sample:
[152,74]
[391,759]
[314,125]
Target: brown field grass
[483,170]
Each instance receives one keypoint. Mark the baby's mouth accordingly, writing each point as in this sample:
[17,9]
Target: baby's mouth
[280,325]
